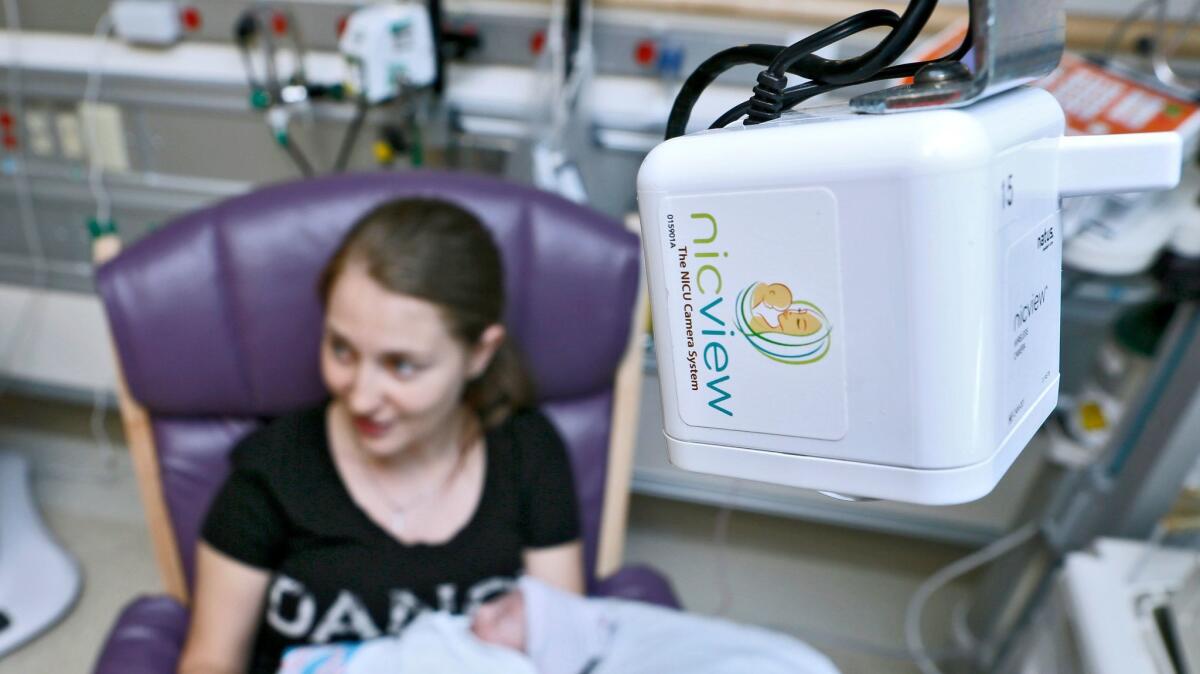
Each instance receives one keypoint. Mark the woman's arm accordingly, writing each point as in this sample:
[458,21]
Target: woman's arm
[560,565]
[225,612]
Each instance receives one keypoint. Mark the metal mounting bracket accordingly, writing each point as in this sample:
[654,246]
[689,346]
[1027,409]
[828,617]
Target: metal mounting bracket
[1015,42]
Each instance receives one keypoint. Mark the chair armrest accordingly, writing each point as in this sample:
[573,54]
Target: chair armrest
[147,638]
[639,583]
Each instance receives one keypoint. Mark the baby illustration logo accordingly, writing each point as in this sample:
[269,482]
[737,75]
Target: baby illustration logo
[780,327]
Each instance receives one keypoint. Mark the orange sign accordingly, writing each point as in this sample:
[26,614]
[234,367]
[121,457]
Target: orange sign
[1096,100]
[1100,101]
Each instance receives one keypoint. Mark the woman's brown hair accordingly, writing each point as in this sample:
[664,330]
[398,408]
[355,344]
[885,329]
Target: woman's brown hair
[436,251]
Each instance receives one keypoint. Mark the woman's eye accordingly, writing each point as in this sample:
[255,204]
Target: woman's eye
[340,349]
[402,367]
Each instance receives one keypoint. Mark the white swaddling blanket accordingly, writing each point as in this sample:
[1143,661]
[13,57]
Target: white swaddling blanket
[572,635]
[434,643]
[652,640]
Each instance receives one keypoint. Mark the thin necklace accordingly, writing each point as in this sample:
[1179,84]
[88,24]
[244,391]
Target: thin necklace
[398,515]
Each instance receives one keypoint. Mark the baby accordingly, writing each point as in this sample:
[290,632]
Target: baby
[534,629]
[801,323]
[538,629]
[561,632]
[771,306]
[767,303]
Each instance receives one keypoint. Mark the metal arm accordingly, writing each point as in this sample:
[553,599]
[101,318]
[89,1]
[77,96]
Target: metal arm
[1016,42]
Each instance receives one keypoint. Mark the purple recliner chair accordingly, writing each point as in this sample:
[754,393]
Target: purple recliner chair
[216,323]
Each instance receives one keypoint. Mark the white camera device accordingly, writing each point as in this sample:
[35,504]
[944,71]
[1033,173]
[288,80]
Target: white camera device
[869,305]
[388,47]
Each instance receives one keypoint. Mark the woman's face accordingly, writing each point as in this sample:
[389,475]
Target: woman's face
[391,364]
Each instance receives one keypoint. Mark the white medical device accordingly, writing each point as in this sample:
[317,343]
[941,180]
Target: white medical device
[870,304]
[389,46]
[147,22]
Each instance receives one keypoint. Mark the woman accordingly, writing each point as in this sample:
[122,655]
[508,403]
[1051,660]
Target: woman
[424,483]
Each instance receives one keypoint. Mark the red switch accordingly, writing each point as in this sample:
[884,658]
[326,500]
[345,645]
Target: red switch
[191,18]
[10,141]
[537,42]
[645,52]
[341,24]
[6,121]
[279,23]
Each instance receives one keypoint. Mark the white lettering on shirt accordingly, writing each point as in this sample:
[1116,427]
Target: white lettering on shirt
[484,590]
[405,607]
[347,617]
[446,593]
[306,609]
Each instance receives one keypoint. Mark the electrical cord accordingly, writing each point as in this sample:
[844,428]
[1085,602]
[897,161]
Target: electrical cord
[800,59]
[103,220]
[721,542]
[916,604]
[244,30]
[16,95]
[721,527]
[707,73]
[25,318]
[771,98]
[91,94]
[436,19]
[563,74]
[796,95]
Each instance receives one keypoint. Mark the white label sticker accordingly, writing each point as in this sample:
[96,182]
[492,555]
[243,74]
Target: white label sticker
[753,283]
[1034,308]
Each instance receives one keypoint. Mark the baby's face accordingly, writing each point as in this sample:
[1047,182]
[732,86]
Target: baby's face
[502,621]
[800,323]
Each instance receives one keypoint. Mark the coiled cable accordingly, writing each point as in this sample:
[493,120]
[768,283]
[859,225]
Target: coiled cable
[770,97]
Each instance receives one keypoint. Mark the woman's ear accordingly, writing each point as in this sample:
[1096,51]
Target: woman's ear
[481,355]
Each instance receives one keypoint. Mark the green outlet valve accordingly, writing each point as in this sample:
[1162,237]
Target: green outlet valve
[260,99]
[98,228]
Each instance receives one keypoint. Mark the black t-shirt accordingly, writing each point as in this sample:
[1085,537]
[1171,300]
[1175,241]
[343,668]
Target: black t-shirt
[337,575]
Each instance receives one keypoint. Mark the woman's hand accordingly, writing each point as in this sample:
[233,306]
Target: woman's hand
[560,566]
[225,612]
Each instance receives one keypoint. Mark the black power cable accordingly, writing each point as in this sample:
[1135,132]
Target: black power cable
[769,55]
[800,59]
[245,29]
[574,24]
[856,69]
[771,98]
[436,17]
[707,73]
[796,95]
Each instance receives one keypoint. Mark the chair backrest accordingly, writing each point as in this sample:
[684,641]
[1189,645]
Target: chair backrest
[216,323]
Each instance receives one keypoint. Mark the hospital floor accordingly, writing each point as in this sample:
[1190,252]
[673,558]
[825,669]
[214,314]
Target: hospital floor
[842,590]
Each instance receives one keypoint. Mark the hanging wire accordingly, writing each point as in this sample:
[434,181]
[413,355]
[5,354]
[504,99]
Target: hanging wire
[1165,48]
[25,319]
[771,97]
